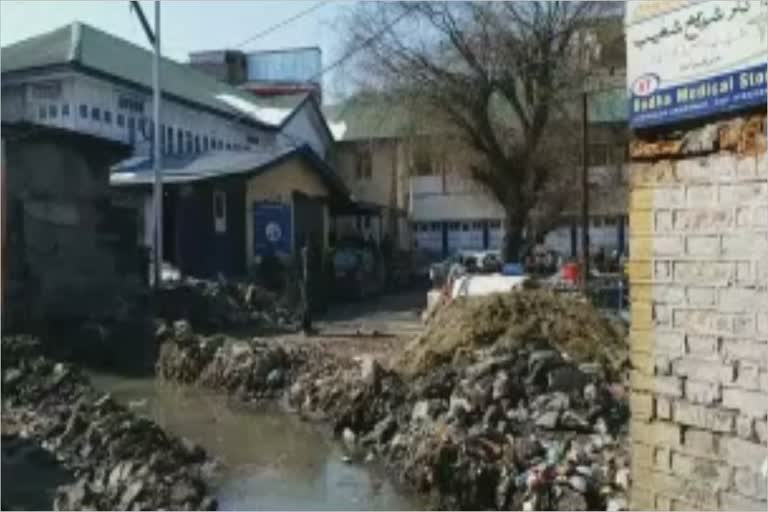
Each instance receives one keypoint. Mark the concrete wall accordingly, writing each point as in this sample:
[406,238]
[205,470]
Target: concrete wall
[278,184]
[699,337]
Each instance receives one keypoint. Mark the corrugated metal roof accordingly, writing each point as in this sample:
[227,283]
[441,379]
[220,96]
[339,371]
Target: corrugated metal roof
[96,50]
[219,164]
[382,118]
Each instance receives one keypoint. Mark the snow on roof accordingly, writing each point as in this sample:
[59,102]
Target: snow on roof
[269,115]
[338,129]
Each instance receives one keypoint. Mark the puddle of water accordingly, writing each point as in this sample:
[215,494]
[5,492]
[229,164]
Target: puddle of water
[271,460]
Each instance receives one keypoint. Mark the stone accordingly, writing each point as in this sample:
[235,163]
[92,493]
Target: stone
[548,419]
[275,378]
[566,378]
[349,438]
[370,370]
[130,495]
[501,386]
[578,483]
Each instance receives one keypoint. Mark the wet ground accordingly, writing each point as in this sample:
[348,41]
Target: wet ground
[391,314]
[270,460]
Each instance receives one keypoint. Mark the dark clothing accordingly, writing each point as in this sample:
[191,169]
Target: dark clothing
[307,282]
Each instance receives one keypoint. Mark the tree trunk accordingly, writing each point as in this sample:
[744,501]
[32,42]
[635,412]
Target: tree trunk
[514,224]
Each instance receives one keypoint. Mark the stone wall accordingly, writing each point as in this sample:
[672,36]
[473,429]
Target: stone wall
[71,261]
[699,339]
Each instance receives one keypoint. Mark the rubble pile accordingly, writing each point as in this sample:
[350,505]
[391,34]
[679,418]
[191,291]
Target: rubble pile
[120,461]
[248,370]
[497,406]
[464,325]
[211,305]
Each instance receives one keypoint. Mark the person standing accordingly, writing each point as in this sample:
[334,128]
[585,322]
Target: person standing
[307,278]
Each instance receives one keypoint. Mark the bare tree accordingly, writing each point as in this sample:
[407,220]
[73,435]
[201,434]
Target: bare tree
[495,73]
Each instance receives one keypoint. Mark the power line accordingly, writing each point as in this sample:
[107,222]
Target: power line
[353,51]
[283,23]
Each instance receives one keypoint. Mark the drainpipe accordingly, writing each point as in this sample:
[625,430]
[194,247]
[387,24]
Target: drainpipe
[158,185]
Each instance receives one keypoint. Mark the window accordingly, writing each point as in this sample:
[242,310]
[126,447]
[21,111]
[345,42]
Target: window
[197,143]
[364,164]
[253,140]
[465,226]
[220,211]
[422,162]
[142,124]
[367,222]
[494,224]
[120,120]
[162,139]
[169,138]
[229,146]
[96,113]
[53,111]
[435,226]
[179,141]
[189,142]
[131,130]
[205,144]
[83,111]
[108,117]
[610,221]
[42,113]
[65,110]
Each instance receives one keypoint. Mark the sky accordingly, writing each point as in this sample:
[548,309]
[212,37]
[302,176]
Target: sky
[188,26]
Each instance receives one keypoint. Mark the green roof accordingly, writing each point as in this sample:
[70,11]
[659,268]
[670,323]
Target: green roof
[95,50]
[383,118]
[369,118]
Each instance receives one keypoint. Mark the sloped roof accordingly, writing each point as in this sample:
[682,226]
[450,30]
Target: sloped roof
[93,49]
[219,164]
[370,118]
[383,118]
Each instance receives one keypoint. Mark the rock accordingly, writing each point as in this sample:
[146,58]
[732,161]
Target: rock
[275,378]
[492,414]
[617,503]
[578,483]
[458,406]
[566,378]
[183,492]
[574,421]
[590,393]
[349,438]
[130,495]
[370,370]
[622,479]
[420,411]
[501,386]
[11,376]
[382,432]
[182,330]
[548,420]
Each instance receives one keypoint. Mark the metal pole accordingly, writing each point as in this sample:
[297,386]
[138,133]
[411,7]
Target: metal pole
[158,185]
[585,194]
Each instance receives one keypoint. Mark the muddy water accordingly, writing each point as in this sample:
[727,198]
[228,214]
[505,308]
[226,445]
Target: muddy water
[269,460]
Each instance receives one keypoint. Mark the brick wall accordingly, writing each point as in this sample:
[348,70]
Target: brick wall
[699,338]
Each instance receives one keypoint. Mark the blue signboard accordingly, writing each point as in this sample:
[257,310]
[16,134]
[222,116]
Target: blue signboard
[692,59]
[271,228]
[729,91]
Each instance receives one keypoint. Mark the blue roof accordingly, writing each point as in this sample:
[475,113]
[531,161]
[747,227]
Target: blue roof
[220,164]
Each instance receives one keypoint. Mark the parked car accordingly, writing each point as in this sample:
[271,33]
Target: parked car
[356,273]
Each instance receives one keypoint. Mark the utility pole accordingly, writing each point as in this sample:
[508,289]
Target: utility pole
[154,39]
[158,186]
[585,192]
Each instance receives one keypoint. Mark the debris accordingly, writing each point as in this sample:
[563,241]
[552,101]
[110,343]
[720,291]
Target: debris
[120,461]
[503,321]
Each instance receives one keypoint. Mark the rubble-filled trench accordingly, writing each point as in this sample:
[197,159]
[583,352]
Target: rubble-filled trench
[523,408]
[100,455]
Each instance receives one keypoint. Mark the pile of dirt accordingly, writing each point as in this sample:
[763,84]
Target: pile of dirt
[119,461]
[465,325]
[211,305]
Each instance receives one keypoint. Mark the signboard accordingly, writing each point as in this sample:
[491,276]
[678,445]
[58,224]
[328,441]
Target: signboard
[271,228]
[693,58]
